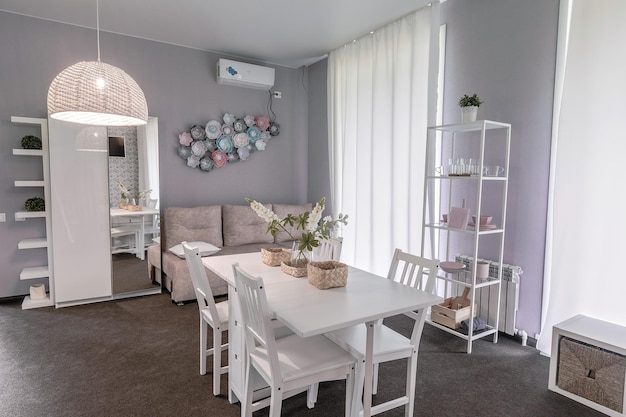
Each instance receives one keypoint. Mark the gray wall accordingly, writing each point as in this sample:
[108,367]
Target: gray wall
[503,50]
[180,88]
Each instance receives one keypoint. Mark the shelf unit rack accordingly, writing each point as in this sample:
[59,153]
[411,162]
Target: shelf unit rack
[448,140]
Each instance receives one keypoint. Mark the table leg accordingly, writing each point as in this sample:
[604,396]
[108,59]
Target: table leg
[369,359]
[140,240]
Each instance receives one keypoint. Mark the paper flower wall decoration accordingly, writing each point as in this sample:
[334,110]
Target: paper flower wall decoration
[219,143]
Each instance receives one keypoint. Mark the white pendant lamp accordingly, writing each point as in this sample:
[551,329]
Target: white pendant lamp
[96,93]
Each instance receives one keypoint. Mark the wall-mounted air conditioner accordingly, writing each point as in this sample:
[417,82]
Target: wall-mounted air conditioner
[244,75]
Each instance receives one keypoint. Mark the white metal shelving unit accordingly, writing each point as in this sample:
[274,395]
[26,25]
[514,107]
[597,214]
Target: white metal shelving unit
[456,141]
[42,271]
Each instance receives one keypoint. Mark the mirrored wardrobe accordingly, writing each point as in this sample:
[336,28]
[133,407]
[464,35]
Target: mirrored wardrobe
[105,210]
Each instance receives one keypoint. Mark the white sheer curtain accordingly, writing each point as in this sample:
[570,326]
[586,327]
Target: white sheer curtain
[378,113]
[586,228]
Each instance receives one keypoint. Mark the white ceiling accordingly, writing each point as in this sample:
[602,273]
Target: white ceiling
[291,33]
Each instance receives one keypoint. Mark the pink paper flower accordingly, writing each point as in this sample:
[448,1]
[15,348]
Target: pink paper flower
[240,140]
[185,138]
[262,122]
[219,158]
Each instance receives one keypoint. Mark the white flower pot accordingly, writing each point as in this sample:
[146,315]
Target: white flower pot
[468,114]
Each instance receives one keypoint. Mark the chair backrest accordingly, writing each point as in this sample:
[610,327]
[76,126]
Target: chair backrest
[416,272]
[200,281]
[152,202]
[328,249]
[256,317]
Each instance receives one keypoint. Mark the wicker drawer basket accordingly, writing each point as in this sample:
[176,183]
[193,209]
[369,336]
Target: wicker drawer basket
[329,274]
[592,373]
[274,256]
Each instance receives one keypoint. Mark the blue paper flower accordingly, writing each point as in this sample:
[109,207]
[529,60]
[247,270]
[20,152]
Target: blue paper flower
[224,144]
[254,134]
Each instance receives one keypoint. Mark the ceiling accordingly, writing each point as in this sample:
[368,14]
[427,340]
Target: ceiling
[290,33]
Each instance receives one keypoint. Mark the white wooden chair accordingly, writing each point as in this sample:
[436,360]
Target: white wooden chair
[124,239]
[328,249]
[290,364]
[389,345]
[211,314]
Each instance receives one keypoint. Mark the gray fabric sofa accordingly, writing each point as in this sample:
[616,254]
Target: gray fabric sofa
[234,229]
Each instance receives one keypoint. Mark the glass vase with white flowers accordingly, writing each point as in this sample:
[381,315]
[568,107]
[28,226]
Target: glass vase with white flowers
[314,227]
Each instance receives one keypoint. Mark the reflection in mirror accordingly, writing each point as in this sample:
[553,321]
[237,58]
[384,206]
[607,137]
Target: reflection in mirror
[134,205]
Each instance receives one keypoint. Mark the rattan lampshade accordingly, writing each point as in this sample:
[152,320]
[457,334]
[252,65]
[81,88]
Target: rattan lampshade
[92,139]
[96,93]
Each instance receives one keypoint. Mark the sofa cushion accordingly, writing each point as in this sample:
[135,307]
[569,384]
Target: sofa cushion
[243,226]
[281,210]
[202,224]
[205,249]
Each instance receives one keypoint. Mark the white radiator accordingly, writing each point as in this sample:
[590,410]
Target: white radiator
[486,297]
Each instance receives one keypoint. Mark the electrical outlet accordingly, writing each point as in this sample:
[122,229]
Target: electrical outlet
[3,217]
[278,94]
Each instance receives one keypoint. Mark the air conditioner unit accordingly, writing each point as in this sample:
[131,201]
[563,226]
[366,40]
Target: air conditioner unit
[244,75]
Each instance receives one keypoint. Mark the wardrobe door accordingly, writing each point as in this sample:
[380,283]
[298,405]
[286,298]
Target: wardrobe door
[80,215]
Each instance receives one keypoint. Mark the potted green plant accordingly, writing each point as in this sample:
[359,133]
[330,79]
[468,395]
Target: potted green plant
[469,107]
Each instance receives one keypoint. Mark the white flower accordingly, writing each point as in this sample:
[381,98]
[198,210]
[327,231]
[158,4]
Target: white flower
[262,211]
[123,190]
[315,216]
[260,145]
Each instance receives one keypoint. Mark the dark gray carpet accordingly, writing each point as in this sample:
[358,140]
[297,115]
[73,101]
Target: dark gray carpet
[130,274]
[139,357]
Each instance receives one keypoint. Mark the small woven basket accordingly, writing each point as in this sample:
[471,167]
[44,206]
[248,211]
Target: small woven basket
[329,274]
[298,270]
[133,207]
[274,256]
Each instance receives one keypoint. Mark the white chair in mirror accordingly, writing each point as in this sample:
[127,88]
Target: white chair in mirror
[328,250]
[212,314]
[124,239]
[412,271]
[288,365]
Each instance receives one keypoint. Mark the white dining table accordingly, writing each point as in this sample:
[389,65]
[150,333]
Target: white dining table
[308,311]
[117,212]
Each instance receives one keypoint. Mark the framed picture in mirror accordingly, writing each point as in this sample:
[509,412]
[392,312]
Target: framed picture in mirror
[117,146]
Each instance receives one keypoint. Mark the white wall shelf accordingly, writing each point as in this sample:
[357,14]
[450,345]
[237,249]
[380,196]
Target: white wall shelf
[33,243]
[30,183]
[34,272]
[43,271]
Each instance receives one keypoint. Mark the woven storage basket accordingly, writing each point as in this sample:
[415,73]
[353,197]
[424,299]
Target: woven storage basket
[592,373]
[133,207]
[274,256]
[298,270]
[329,274]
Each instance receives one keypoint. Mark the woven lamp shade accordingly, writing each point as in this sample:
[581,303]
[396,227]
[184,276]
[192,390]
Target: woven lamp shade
[96,93]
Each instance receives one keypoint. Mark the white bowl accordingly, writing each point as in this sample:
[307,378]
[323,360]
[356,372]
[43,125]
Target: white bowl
[452,267]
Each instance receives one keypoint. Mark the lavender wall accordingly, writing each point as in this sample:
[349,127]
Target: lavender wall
[505,51]
[180,87]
